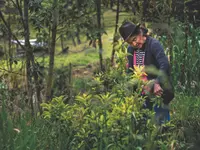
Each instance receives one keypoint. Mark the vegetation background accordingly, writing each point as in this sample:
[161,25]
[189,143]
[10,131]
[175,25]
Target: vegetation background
[63,80]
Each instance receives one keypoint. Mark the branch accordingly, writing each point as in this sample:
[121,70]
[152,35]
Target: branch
[12,72]
[14,3]
[20,12]
[6,24]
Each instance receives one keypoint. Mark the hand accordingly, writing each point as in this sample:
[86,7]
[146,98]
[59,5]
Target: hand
[147,89]
[158,91]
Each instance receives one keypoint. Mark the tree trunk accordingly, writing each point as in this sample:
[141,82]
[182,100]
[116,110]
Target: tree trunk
[49,37]
[62,43]
[2,3]
[10,57]
[9,43]
[114,38]
[28,53]
[52,52]
[78,36]
[111,4]
[30,60]
[70,85]
[98,5]
[73,40]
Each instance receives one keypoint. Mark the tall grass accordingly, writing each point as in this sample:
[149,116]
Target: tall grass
[15,133]
[185,58]
[26,132]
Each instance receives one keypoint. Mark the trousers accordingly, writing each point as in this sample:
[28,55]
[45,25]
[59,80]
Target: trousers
[162,113]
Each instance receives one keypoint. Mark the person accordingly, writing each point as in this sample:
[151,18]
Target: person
[147,51]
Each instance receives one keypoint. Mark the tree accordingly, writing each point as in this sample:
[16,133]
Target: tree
[30,60]
[29,53]
[31,70]
[115,38]
[59,17]
[52,50]
[98,6]
[42,13]
[10,57]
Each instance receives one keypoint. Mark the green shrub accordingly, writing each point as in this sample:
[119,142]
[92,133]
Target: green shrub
[108,116]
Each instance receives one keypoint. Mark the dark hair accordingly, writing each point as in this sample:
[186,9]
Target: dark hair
[144,30]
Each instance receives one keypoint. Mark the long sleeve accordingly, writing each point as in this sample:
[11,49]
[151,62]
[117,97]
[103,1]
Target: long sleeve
[161,58]
[130,58]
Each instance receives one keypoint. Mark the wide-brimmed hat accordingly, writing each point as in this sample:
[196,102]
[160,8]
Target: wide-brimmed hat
[129,29]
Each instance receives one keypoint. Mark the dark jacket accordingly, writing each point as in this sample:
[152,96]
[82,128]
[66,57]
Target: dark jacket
[155,55]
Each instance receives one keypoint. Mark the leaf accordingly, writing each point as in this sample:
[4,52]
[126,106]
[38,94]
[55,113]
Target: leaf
[138,148]
[45,106]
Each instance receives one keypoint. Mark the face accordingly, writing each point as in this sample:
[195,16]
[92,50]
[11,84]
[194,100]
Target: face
[137,41]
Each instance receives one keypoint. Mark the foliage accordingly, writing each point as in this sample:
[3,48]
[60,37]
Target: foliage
[109,116]
[184,57]
[62,79]
[107,112]
[101,122]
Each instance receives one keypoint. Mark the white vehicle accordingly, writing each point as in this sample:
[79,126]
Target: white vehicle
[33,42]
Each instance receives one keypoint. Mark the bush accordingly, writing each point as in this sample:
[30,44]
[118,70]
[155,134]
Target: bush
[108,116]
